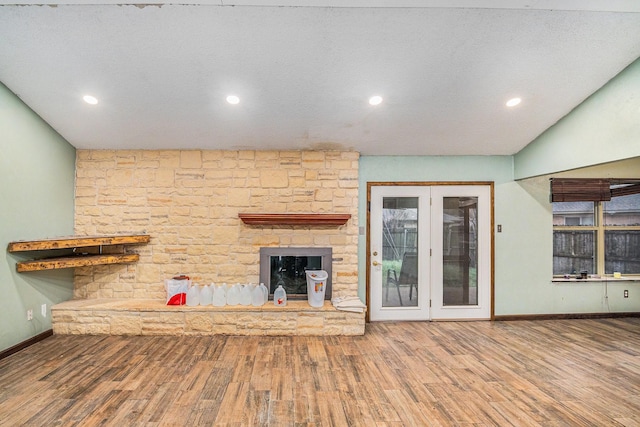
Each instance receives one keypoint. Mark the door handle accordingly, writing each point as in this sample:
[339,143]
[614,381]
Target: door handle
[375,263]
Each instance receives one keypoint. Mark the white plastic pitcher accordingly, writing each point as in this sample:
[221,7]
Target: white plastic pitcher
[316,287]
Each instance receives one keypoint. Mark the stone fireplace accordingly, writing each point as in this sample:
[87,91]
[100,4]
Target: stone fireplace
[189,202]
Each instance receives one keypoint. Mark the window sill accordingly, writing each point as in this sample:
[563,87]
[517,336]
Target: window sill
[598,279]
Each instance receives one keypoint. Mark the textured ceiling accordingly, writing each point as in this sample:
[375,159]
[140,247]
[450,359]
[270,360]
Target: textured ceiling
[304,74]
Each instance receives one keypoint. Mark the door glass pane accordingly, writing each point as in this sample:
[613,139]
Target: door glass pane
[460,255]
[399,251]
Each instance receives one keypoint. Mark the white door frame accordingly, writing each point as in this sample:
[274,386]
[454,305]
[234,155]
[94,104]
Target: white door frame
[487,242]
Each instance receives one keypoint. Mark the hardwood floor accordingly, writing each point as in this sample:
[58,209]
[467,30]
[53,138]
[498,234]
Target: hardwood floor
[524,373]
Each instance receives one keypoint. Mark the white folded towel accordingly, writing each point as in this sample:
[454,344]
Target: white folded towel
[352,304]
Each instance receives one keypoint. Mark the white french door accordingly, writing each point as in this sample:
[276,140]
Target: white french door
[399,221]
[430,252]
[461,261]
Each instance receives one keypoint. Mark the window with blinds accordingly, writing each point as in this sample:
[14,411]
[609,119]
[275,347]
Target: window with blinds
[596,226]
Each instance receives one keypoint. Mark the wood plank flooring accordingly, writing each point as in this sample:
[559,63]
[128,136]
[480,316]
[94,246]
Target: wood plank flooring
[522,373]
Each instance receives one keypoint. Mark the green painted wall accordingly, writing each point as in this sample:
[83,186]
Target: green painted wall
[523,250]
[528,289]
[498,169]
[37,169]
[604,128]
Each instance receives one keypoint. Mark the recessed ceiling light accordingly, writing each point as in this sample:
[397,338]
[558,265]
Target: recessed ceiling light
[513,102]
[232,99]
[90,99]
[375,100]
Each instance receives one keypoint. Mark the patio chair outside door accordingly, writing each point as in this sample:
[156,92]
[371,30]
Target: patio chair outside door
[407,279]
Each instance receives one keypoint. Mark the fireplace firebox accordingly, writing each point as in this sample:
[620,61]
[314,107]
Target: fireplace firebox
[288,266]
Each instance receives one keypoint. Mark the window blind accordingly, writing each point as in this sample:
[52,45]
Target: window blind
[626,190]
[580,190]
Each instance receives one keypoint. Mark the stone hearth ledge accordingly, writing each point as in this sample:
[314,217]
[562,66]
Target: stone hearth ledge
[154,317]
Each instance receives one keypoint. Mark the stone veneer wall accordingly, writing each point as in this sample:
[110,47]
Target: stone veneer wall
[188,201]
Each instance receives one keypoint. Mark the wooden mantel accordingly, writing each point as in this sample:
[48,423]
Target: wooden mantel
[91,254]
[302,219]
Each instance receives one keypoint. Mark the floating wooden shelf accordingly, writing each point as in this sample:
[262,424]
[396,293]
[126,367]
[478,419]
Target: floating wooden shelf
[75,261]
[294,219]
[77,242]
[91,255]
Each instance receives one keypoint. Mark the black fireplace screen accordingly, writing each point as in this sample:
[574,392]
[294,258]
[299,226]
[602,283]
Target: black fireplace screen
[288,266]
[290,272]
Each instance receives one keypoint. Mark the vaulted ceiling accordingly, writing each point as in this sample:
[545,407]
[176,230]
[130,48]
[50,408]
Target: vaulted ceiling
[304,71]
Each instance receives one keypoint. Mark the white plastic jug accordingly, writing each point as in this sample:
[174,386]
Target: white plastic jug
[220,295]
[206,295]
[257,297]
[280,297]
[193,295]
[233,295]
[245,295]
[265,291]
[316,287]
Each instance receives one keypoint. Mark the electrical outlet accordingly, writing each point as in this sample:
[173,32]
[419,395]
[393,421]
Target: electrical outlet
[626,293]
[29,314]
[43,310]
